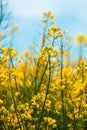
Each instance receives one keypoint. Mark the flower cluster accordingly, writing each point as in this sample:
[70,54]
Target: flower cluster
[41,92]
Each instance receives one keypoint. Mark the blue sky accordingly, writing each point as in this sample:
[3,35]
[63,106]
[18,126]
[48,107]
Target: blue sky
[70,15]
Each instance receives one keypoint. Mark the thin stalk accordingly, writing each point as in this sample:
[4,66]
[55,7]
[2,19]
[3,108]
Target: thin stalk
[42,77]
[47,90]
[62,91]
[14,102]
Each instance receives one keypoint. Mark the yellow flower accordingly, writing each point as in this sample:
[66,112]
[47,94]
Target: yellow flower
[50,121]
[44,13]
[65,31]
[62,88]
[54,31]
[17,94]
[16,27]
[12,107]
[82,38]
[1,101]
[50,15]
[26,53]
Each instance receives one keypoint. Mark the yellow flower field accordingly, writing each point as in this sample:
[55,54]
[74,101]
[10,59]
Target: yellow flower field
[43,91]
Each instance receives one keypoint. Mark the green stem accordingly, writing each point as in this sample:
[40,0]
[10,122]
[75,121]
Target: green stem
[42,111]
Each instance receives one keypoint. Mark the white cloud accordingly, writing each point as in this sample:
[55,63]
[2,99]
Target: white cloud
[28,8]
[66,9]
[33,8]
